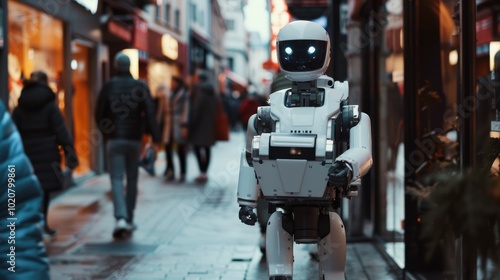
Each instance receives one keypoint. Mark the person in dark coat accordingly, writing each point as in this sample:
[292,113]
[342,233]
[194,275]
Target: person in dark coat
[124,112]
[43,131]
[202,122]
[29,259]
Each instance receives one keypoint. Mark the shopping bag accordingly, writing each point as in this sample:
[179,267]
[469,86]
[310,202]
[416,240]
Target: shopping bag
[221,123]
[147,160]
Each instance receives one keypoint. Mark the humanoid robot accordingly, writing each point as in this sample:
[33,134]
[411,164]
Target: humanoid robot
[303,154]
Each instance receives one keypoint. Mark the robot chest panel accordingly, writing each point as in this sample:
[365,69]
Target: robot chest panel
[292,178]
[304,119]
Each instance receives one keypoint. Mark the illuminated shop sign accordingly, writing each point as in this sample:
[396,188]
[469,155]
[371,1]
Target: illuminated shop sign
[169,47]
[90,5]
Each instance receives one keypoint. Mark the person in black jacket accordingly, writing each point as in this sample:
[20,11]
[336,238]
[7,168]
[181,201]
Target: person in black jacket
[23,256]
[202,122]
[43,131]
[124,112]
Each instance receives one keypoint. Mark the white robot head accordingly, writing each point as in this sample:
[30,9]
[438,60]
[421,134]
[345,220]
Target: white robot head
[303,50]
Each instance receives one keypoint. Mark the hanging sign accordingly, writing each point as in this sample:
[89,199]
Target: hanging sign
[169,46]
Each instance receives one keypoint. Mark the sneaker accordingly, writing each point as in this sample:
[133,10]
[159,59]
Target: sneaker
[122,228]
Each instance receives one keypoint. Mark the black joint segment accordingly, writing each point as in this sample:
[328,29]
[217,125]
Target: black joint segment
[249,159]
[287,223]
[271,208]
[324,225]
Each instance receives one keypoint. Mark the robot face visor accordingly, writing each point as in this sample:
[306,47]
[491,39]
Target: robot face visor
[302,55]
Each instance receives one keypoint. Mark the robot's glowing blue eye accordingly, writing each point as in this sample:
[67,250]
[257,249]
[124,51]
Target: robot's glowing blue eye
[311,50]
[288,50]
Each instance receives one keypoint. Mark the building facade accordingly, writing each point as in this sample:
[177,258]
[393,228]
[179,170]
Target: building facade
[167,42]
[236,44]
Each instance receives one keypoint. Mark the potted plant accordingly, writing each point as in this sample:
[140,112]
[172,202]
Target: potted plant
[465,204]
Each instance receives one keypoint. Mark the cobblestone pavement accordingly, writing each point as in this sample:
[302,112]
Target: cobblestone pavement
[185,231]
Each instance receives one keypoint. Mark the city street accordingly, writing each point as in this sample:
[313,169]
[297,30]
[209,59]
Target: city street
[185,231]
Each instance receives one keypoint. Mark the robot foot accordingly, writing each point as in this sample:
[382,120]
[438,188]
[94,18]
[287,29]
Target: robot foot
[280,278]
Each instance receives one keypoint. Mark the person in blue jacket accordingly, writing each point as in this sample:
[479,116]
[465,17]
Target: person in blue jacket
[22,252]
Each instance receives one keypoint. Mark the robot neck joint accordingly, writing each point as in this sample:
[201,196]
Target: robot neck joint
[304,94]
[300,87]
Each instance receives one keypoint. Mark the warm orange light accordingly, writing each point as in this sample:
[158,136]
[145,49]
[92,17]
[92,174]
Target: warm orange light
[494,48]
[133,55]
[453,57]
[169,46]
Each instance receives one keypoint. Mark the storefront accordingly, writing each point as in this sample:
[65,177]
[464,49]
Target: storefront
[63,41]
[32,46]
[422,78]
[167,58]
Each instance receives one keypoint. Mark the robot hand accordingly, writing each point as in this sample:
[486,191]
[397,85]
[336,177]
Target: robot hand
[247,216]
[340,174]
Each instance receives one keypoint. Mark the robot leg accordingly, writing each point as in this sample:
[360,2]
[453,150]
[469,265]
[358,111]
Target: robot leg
[279,248]
[332,250]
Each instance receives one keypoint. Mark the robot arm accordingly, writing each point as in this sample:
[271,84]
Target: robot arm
[359,155]
[248,189]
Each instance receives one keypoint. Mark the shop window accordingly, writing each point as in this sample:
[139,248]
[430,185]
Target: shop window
[392,83]
[35,43]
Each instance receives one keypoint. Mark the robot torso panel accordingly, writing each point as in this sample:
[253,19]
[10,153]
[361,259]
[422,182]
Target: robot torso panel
[292,161]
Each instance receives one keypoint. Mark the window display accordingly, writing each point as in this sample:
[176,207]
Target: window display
[35,43]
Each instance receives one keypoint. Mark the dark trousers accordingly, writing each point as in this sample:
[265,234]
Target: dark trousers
[123,156]
[181,152]
[203,156]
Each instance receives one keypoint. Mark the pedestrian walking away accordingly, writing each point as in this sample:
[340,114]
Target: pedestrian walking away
[43,131]
[202,122]
[173,113]
[124,108]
